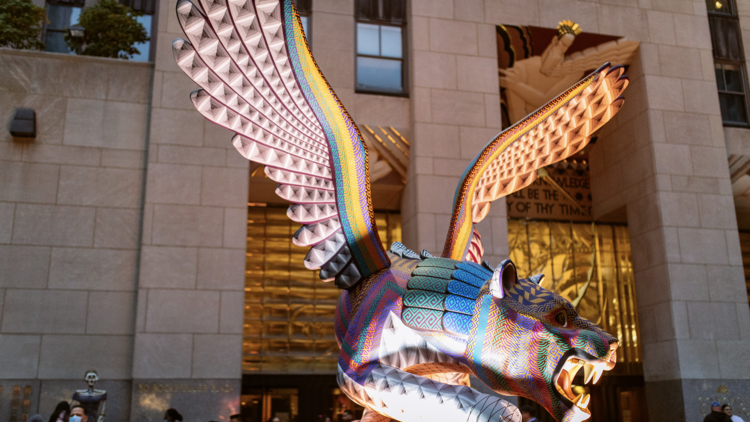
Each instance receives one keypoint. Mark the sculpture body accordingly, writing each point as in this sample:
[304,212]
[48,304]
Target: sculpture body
[94,401]
[410,326]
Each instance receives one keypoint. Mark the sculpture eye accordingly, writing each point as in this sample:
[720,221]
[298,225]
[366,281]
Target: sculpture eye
[561,318]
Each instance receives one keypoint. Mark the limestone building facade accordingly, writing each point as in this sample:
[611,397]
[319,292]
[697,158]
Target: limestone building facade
[124,223]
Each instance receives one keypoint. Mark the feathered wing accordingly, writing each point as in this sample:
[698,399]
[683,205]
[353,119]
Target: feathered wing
[621,51]
[259,79]
[510,162]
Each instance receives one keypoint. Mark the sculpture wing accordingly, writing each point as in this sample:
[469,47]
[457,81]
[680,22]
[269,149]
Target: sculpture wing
[259,79]
[621,51]
[509,162]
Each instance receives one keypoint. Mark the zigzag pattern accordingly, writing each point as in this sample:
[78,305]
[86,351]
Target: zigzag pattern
[435,272]
[459,304]
[436,285]
[457,323]
[423,319]
[469,278]
[462,289]
[424,299]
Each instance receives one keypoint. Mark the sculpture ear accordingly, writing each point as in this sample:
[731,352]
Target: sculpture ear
[537,279]
[503,279]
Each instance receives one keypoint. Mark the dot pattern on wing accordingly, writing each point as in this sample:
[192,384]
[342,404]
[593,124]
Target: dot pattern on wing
[442,293]
[258,78]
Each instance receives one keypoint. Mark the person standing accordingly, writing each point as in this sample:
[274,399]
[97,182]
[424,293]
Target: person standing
[61,412]
[716,414]
[528,413]
[172,415]
[726,408]
[78,413]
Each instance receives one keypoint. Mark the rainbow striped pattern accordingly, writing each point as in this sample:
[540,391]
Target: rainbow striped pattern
[348,152]
[462,226]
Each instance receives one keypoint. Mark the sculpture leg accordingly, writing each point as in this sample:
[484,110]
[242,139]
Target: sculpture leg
[411,398]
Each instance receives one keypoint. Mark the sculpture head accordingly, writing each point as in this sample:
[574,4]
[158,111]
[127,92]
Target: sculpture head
[527,341]
[91,378]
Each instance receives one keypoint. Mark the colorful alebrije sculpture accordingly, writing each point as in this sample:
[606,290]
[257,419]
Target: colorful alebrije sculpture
[410,326]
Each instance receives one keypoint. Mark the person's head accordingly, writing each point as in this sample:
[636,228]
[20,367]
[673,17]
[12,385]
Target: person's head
[527,412]
[716,407]
[726,408]
[235,418]
[62,411]
[172,415]
[347,416]
[78,414]
[36,418]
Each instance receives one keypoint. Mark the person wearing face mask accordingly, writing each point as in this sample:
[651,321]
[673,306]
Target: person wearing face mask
[78,414]
[172,415]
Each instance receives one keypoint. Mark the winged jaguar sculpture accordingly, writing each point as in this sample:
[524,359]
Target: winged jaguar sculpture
[410,326]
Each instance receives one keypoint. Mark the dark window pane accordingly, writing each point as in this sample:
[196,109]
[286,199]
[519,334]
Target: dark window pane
[146,6]
[61,17]
[394,11]
[733,78]
[303,6]
[368,39]
[55,43]
[725,37]
[72,3]
[720,85]
[733,108]
[719,6]
[367,9]
[390,41]
[379,75]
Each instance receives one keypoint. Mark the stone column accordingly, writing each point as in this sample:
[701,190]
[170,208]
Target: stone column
[70,204]
[188,341]
[664,161]
[455,105]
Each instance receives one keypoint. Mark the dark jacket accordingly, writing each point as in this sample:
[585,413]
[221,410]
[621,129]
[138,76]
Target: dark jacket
[717,417]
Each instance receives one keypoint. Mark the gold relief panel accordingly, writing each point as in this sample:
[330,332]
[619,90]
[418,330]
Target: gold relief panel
[289,311]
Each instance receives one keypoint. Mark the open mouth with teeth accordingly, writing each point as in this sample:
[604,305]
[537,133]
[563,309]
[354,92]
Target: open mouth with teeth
[592,370]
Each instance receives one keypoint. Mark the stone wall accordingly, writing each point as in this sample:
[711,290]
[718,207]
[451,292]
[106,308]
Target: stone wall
[70,207]
[455,113]
[191,289]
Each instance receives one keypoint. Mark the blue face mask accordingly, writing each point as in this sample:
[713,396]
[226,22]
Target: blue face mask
[74,418]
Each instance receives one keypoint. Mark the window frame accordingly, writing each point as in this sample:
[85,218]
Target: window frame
[404,80]
[731,14]
[46,28]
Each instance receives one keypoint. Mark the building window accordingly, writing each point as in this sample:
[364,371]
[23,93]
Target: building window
[304,7]
[60,16]
[148,8]
[729,62]
[380,46]
[63,14]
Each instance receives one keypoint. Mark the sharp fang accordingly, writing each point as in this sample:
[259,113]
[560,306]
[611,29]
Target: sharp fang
[588,372]
[597,375]
[586,399]
[578,400]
